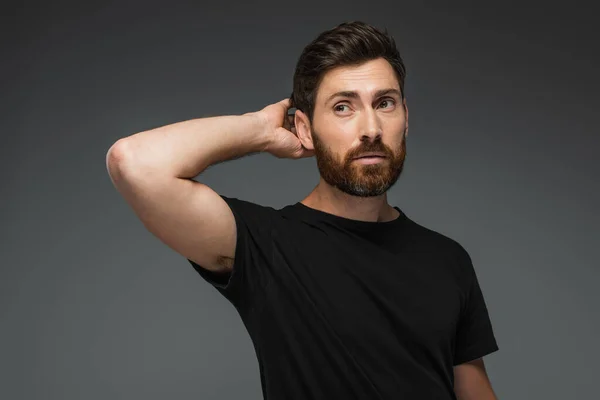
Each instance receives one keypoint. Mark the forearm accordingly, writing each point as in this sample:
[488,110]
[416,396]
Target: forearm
[185,149]
[471,381]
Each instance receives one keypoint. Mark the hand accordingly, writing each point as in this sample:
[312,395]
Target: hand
[279,127]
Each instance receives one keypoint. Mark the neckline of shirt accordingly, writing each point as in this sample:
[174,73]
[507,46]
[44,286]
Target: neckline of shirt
[318,215]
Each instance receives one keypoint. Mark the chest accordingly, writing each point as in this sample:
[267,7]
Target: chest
[367,293]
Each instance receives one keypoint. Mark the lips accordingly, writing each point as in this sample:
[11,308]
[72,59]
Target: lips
[366,155]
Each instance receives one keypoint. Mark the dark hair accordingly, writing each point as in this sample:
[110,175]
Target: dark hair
[349,43]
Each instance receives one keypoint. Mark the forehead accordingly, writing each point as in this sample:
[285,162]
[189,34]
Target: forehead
[365,79]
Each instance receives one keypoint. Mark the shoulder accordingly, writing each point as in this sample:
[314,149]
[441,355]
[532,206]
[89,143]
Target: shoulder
[444,246]
[251,211]
[435,239]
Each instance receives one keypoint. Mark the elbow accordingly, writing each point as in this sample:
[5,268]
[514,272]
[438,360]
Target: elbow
[115,159]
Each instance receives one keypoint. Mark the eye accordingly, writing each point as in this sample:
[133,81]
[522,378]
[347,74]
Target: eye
[336,108]
[387,101]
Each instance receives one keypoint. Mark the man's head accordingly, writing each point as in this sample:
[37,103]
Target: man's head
[369,116]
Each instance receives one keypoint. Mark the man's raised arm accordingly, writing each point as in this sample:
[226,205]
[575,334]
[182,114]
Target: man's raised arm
[153,171]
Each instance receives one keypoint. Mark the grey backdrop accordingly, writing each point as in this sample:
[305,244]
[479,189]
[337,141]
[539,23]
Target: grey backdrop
[502,156]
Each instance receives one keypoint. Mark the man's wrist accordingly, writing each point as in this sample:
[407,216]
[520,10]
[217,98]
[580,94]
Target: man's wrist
[260,125]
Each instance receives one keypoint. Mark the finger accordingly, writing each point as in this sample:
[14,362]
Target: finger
[287,102]
[286,123]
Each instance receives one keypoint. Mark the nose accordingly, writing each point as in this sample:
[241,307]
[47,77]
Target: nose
[371,126]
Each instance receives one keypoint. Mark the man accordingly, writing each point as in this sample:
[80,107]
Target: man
[343,295]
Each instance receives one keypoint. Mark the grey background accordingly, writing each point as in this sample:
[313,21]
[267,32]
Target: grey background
[501,156]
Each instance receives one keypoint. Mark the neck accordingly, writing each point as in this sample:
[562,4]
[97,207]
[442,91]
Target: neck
[329,199]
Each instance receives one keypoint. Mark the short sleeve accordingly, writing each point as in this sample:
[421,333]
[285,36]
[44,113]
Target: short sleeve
[252,255]
[474,336]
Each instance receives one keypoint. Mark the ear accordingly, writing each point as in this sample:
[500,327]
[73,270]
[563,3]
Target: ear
[303,130]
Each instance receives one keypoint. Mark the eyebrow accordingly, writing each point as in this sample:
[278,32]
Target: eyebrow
[354,95]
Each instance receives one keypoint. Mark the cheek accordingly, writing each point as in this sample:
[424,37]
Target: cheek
[340,137]
[394,123]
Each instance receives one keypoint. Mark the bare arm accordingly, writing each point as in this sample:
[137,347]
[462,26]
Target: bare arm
[185,149]
[471,381]
[152,170]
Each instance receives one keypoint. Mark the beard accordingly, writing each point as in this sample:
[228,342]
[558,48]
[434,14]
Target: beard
[361,180]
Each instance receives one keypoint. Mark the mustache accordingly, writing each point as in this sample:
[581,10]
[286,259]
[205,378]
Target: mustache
[378,147]
[375,146]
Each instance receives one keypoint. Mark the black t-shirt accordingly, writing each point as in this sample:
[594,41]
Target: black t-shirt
[343,309]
